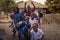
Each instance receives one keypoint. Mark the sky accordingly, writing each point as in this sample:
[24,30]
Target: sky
[39,1]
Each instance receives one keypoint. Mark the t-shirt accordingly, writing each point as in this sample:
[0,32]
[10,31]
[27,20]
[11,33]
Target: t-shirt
[32,22]
[23,28]
[36,12]
[18,17]
[22,25]
[37,35]
[31,10]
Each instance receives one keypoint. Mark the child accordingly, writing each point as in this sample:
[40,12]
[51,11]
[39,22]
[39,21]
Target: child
[13,26]
[24,29]
[28,27]
[36,33]
[33,20]
[21,32]
[40,15]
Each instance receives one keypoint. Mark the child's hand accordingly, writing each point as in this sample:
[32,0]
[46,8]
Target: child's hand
[25,3]
[31,2]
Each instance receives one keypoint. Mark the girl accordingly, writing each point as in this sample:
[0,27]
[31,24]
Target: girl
[24,29]
[13,26]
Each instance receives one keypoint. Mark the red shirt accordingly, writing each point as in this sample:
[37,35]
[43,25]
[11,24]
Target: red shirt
[25,11]
[32,10]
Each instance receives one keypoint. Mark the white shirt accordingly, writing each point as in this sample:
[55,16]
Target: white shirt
[37,35]
[36,12]
[32,22]
[20,22]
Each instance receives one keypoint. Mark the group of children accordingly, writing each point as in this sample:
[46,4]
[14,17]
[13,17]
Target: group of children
[27,23]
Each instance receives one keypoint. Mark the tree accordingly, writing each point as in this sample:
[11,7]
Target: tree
[1,4]
[53,5]
[6,5]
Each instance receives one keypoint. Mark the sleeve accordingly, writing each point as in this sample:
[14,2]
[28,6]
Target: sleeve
[32,36]
[20,22]
[41,32]
[11,16]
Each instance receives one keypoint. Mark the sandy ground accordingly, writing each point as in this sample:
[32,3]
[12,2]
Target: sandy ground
[51,31]
[8,32]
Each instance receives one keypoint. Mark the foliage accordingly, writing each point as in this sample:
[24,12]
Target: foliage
[6,5]
[53,5]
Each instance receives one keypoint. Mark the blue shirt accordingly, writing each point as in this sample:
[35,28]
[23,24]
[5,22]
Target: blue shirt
[24,28]
[18,17]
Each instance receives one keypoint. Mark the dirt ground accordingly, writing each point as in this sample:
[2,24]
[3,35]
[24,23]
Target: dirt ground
[51,31]
[50,27]
[7,34]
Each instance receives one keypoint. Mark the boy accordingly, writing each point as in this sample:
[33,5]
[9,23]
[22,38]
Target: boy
[33,19]
[36,33]
[24,29]
[28,28]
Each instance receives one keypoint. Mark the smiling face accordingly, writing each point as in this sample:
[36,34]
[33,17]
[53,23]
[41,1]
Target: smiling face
[35,27]
[27,19]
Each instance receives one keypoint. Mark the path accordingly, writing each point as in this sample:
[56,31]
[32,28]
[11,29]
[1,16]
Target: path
[51,31]
[8,32]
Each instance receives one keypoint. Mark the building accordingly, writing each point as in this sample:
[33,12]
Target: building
[37,5]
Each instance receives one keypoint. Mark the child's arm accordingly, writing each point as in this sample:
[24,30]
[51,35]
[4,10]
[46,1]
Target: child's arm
[33,5]
[42,37]
[25,5]
[11,25]
[32,36]
[42,34]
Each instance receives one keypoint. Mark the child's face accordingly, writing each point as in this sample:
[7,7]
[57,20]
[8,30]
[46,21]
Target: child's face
[27,20]
[35,28]
[32,16]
